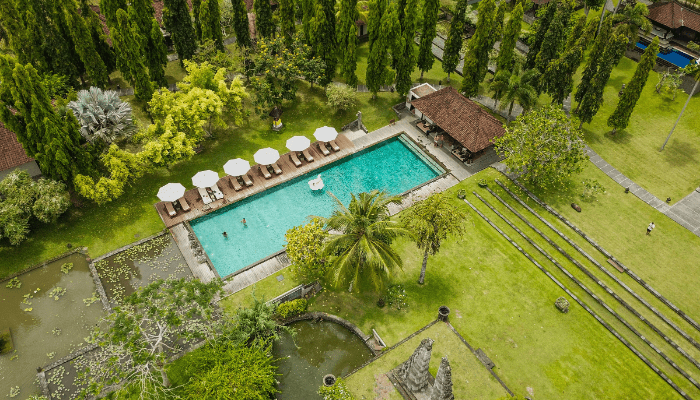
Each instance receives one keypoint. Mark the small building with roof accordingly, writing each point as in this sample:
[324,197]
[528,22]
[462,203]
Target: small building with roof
[418,92]
[12,155]
[470,129]
[675,20]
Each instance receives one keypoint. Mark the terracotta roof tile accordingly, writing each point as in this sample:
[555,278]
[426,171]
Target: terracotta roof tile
[11,152]
[673,15]
[461,118]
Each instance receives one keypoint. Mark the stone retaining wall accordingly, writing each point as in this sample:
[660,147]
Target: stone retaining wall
[316,315]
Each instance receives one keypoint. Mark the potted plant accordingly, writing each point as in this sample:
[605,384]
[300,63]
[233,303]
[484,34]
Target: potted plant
[462,194]
[482,183]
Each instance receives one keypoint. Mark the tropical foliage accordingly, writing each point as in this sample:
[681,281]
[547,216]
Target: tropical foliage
[477,54]
[305,251]
[511,87]
[338,391]
[453,44]
[292,308]
[428,26]
[102,115]
[257,324]
[341,97]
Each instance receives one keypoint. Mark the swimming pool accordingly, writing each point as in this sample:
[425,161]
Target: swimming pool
[395,165]
[675,57]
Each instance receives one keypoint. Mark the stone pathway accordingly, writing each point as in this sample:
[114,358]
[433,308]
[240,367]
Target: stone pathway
[686,212]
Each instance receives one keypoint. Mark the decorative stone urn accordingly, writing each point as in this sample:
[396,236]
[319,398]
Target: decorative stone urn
[329,380]
[443,313]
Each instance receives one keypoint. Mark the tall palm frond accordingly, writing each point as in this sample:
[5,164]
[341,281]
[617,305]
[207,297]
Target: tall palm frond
[516,87]
[631,20]
[102,115]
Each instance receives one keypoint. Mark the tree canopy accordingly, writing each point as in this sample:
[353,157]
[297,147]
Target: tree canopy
[428,30]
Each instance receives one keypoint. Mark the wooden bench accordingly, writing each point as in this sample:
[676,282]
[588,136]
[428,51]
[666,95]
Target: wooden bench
[614,264]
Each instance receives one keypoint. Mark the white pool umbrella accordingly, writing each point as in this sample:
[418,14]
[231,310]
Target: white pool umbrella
[326,133]
[205,179]
[266,156]
[298,143]
[171,192]
[237,167]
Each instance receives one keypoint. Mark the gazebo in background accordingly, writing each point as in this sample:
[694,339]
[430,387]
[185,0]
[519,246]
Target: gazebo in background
[467,129]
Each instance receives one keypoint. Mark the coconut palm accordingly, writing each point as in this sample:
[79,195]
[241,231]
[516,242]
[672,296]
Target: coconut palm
[359,247]
[510,87]
[631,20]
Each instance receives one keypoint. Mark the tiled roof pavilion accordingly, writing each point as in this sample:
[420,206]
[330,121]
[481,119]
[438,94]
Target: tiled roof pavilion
[673,16]
[461,118]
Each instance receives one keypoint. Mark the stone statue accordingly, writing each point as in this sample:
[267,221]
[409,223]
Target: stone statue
[442,389]
[414,372]
[359,118]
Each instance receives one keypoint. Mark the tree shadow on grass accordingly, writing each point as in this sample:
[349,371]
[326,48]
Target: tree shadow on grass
[620,137]
[680,153]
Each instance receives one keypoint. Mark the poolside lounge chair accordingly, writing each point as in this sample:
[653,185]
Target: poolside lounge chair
[295,159]
[334,145]
[276,168]
[169,208]
[265,172]
[218,195]
[183,203]
[307,156]
[247,180]
[233,182]
[204,195]
[323,148]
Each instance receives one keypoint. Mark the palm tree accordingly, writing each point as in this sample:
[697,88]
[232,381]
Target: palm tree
[516,86]
[631,20]
[360,242]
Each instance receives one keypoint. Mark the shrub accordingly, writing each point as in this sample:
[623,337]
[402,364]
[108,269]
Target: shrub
[292,308]
[304,248]
[396,296]
[339,391]
[102,115]
[694,47]
[591,188]
[341,97]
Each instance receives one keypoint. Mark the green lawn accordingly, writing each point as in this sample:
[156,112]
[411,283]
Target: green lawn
[116,224]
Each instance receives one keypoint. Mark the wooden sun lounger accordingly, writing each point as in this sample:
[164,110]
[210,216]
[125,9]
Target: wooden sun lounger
[233,182]
[170,209]
[295,159]
[276,168]
[204,195]
[247,180]
[323,148]
[184,204]
[334,145]
[265,172]
[218,194]
[307,156]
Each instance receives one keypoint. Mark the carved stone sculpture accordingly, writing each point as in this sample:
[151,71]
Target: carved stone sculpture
[414,372]
[442,389]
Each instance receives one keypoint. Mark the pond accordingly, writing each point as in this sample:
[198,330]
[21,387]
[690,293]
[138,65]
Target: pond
[48,316]
[319,348]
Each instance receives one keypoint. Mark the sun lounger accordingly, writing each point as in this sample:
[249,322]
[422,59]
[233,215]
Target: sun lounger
[169,208]
[218,195]
[265,172]
[183,203]
[307,156]
[276,168]
[247,180]
[334,145]
[323,148]
[233,181]
[204,195]
[295,159]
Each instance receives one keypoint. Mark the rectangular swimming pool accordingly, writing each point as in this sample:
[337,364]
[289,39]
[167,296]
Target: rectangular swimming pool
[675,57]
[395,165]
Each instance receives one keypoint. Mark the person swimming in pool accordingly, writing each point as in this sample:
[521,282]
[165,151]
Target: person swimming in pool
[225,235]
[244,222]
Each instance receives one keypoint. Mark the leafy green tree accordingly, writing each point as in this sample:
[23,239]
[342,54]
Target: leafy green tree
[176,16]
[305,251]
[361,252]
[324,39]
[378,73]
[99,38]
[240,23]
[511,87]
[166,145]
[341,97]
[287,21]
[576,30]
[156,55]
[211,23]
[453,44]
[631,93]
[594,57]
[121,168]
[407,62]
[109,8]
[476,59]
[631,20]
[94,66]
[132,63]
[377,8]
[593,99]
[102,115]
[145,329]
[263,18]
[558,79]
[429,14]
[543,146]
[545,15]
[431,221]
[257,325]
[510,38]
[197,17]
[308,8]
[555,37]
[347,40]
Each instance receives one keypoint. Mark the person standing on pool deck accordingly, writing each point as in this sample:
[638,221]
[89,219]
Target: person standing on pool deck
[650,227]
[244,222]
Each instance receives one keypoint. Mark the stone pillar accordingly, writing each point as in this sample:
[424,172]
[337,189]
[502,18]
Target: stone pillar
[442,389]
[414,372]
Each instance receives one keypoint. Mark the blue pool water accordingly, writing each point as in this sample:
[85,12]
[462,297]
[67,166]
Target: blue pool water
[390,166]
[675,57]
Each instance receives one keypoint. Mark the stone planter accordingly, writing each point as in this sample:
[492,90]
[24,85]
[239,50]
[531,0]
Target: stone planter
[443,313]
[328,380]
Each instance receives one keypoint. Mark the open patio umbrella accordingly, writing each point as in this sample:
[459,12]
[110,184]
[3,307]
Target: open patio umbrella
[205,179]
[326,133]
[266,156]
[298,143]
[237,167]
[171,192]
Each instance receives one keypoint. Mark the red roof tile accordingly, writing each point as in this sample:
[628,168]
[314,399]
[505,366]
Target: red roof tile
[673,15]
[461,118]
[11,152]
